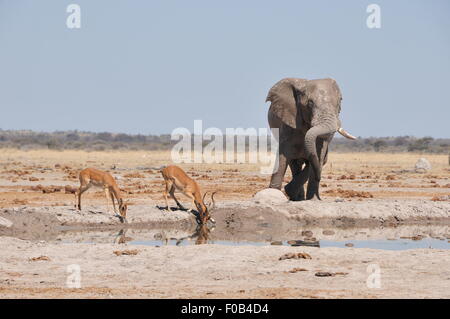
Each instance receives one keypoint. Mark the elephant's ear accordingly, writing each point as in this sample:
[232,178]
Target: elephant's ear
[283,97]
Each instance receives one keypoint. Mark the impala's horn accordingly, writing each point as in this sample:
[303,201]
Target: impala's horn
[213,201]
[204,195]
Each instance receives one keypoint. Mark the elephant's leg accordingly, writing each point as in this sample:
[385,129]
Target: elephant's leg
[313,184]
[277,178]
[295,189]
[292,188]
[303,178]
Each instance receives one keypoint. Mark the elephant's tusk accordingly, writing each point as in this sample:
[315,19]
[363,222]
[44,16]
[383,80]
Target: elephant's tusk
[346,134]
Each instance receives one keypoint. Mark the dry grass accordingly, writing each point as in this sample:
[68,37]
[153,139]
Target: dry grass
[376,174]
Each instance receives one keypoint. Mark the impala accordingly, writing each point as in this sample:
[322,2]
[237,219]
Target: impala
[94,177]
[176,179]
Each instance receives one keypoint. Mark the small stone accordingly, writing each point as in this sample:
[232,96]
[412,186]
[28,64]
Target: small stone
[307,233]
[328,232]
[349,245]
[127,252]
[276,243]
[287,256]
[323,274]
[294,270]
[295,256]
[40,258]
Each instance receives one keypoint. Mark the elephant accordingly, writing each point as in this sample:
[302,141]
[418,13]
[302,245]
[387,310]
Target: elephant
[306,114]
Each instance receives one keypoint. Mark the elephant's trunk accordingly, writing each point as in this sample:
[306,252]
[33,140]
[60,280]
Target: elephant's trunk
[311,147]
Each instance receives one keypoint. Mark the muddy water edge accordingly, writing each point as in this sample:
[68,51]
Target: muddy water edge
[245,226]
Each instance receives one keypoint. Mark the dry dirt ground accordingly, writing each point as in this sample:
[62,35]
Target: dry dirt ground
[365,196]
[213,271]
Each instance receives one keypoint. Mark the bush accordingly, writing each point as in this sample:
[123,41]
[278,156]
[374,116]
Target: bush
[109,141]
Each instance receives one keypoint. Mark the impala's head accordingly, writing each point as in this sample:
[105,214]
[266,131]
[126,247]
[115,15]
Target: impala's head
[123,209]
[206,209]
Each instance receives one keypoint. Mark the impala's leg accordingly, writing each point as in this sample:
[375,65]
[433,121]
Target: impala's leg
[111,195]
[165,193]
[108,200]
[172,194]
[80,191]
[193,206]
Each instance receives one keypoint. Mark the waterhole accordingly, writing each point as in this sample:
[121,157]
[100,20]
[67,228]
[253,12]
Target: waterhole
[398,238]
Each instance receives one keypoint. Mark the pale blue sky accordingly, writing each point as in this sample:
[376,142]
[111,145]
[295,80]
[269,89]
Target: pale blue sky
[151,66]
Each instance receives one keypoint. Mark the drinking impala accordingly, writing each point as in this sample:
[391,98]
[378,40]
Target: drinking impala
[94,177]
[176,179]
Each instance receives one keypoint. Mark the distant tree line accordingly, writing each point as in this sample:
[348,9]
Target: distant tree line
[392,144]
[76,140]
[89,141]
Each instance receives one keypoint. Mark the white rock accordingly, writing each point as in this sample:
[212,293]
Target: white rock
[270,196]
[423,165]
[5,222]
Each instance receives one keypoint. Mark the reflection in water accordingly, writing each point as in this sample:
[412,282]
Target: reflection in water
[307,243]
[398,238]
[121,237]
[202,234]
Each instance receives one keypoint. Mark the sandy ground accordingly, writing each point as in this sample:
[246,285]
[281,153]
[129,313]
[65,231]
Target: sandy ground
[365,196]
[212,271]
[369,174]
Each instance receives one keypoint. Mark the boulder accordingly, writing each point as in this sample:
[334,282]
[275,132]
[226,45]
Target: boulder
[422,165]
[270,196]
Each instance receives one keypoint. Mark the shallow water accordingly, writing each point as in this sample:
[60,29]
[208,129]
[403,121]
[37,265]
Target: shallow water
[397,244]
[355,238]
[398,237]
